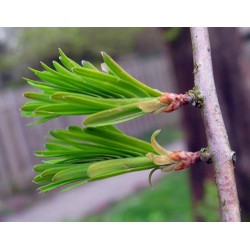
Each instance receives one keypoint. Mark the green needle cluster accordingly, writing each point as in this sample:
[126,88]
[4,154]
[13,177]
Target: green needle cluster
[81,155]
[78,155]
[108,97]
[90,154]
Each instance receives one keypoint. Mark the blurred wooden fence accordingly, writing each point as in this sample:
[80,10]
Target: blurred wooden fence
[17,141]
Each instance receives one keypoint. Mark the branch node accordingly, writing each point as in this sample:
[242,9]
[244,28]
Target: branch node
[173,101]
[196,68]
[195,97]
[205,155]
[233,157]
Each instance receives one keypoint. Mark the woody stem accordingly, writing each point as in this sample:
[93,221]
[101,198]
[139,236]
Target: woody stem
[217,137]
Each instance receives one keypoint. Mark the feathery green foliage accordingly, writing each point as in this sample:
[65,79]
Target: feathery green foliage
[108,97]
[80,155]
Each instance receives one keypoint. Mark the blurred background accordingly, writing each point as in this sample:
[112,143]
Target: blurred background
[159,57]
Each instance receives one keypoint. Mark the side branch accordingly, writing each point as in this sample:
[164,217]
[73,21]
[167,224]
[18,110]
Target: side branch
[174,101]
[215,129]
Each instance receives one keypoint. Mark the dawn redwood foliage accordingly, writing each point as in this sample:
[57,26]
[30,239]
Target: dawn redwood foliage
[78,155]
[100,150]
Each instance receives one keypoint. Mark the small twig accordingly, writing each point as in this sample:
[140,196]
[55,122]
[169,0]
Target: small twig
[217,138]
[185,159]
[181,160]
[174,101]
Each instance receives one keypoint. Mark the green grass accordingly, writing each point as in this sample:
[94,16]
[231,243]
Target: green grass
[170,201]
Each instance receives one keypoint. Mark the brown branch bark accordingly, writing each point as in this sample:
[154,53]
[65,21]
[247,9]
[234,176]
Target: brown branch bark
[214,125]
[180,50]
[231,72]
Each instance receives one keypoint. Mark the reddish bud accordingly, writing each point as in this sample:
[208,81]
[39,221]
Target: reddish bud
[174,101]
[185,159]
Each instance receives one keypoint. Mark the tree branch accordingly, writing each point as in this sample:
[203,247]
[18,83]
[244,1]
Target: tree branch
[222,155]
